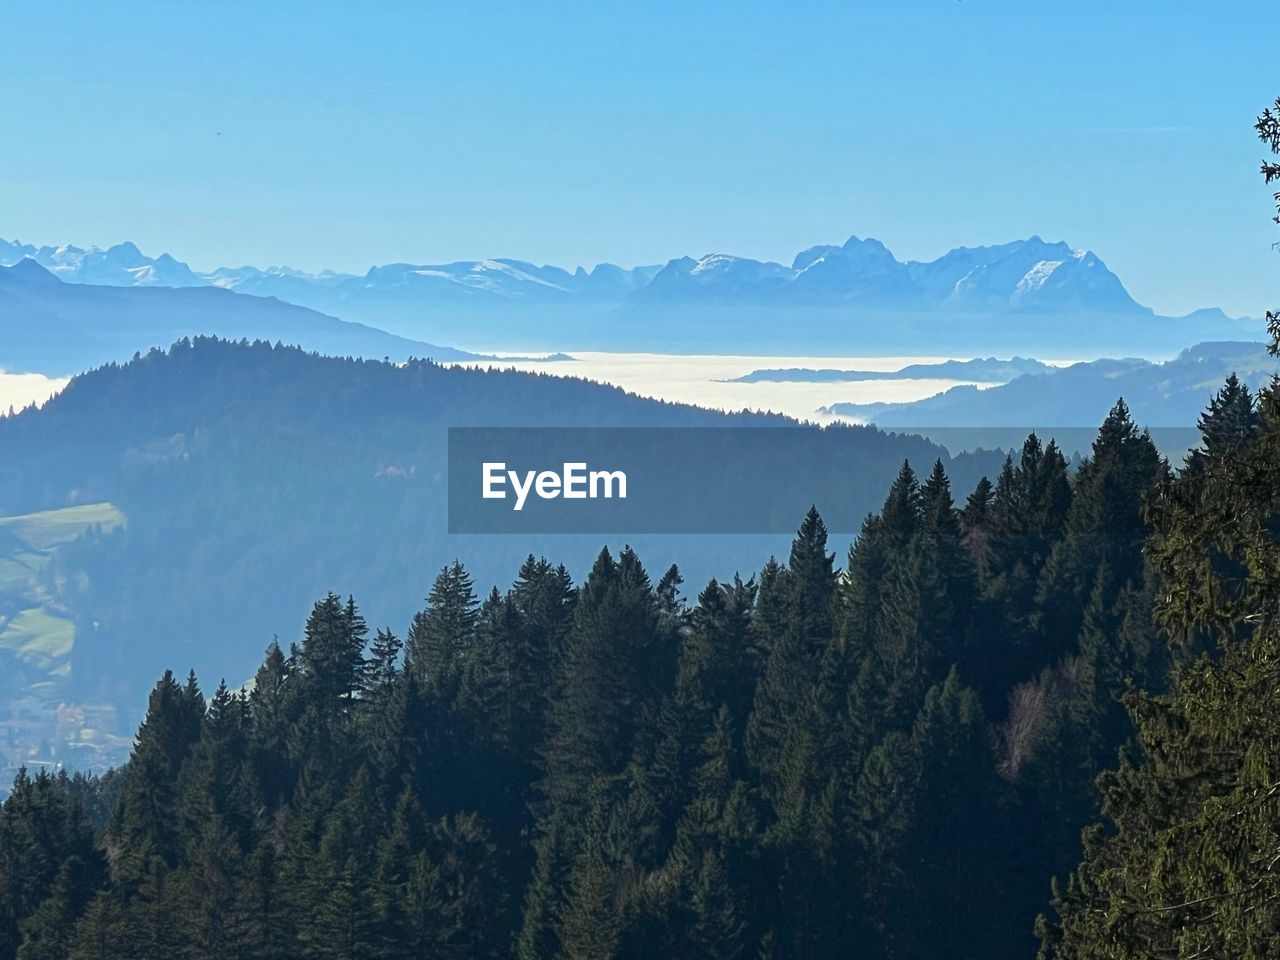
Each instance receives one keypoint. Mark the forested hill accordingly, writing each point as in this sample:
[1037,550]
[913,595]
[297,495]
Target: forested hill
[252,478]
[886,753]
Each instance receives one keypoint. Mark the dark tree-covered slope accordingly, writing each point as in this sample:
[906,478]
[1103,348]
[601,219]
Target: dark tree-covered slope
[253,477]
[886,757]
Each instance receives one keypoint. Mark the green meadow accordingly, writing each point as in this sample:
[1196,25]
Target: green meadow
[34,626]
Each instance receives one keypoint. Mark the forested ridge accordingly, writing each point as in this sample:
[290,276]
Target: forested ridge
[1048,707]
[890,759]
[267,474]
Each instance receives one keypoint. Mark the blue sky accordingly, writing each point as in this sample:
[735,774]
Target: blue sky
[327,135]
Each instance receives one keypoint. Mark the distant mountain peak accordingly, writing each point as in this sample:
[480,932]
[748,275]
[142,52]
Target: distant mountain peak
[867,243]
[125,249]
[1024,276]
[29,272]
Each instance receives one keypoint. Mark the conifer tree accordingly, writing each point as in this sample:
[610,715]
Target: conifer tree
[146,816]
[1105,525]
[331,660]
[951,855]
[607,685]
[272,711]
[442,634]
[49,862]
[47,933]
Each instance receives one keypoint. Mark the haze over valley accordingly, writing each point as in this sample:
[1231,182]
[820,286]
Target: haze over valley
[727,481]
[842,332]
[108,498]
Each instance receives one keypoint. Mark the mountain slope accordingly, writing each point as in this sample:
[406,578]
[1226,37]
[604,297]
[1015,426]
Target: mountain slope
[251,479]
[1169,394]
[988,370]
[60,328]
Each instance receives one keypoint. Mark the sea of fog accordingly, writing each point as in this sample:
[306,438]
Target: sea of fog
[18,390]
[696,379]
[700,379]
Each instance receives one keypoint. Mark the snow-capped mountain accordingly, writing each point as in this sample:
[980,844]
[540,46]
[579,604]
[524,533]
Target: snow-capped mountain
[715,277]
[1027,295]
[122,265]
[1026,275]
[862,271]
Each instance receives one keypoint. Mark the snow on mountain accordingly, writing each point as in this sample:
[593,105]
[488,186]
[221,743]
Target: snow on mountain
[1025,276]
[122,265]
[12,251]
[1036,276]
[861,271]
[714,278]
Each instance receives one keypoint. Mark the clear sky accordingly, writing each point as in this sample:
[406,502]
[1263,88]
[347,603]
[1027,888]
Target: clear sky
[345,135]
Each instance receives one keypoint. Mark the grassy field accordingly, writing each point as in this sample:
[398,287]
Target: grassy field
[47,529]
[39,638]
[33,625]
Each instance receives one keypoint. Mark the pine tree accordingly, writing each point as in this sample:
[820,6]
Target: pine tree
[332,657]
[951,855]
[715,674]
[385,711]
[49,863]
[443,633]
[545,597]
[783,707]
[609,682]
[146,815]
[339,877]
[1026,521]
[46,934]
[97,935]
[213,919]
[861,596]
[1105,525]
[272,712]
[1184,866]
[538,935]
[606,879]
[713,851]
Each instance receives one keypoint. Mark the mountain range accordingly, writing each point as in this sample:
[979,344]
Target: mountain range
[183,506]
[978,370]
[63,328]
[1168,394]
[1052,290]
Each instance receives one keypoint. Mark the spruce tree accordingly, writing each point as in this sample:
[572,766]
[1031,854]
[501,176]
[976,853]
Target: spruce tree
[442,634]
[146,816]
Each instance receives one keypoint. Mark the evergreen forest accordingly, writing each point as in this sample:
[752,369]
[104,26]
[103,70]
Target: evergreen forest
[1036,715]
